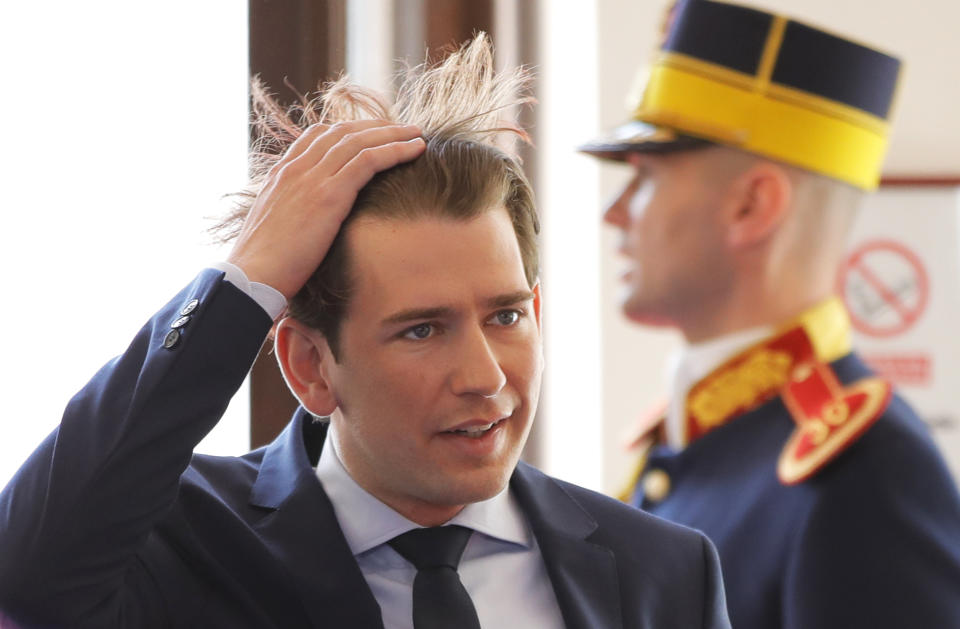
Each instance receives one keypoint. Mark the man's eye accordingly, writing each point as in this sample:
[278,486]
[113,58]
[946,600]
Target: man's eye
[507,317]
[419,332]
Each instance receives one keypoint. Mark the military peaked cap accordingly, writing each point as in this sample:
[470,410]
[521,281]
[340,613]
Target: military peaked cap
[764,83]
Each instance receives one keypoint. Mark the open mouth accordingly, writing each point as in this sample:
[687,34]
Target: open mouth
[476,432]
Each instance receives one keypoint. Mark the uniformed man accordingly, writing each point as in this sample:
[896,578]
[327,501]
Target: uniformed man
[752,141]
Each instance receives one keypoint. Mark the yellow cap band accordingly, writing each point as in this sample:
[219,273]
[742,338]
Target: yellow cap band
[795,127]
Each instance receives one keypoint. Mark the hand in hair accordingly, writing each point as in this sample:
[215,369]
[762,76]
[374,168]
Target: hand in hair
[308,194]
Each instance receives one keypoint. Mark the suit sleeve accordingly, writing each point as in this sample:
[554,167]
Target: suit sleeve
[74,516]
[714,599]
[880,552]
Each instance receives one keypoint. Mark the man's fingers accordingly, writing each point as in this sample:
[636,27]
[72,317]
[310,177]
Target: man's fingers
[350,145]
[298,213]
[365,164]
[330,134]
[309,153]
[301,144]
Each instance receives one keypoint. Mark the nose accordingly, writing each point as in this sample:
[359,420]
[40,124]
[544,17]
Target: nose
[478,370]
[616,213]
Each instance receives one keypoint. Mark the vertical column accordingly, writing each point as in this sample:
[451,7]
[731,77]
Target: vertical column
[300,42]
[572,442]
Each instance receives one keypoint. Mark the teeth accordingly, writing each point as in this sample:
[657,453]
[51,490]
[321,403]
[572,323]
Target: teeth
[476,431]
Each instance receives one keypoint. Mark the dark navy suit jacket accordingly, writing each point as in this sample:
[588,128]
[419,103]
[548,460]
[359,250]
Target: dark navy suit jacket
[113,522]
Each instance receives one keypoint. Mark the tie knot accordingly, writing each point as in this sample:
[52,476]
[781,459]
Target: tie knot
[434,547]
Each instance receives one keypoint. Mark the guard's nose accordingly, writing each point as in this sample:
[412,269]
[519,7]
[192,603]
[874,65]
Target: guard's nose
[616,213]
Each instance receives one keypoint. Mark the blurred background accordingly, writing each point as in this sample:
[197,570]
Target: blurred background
[126,124]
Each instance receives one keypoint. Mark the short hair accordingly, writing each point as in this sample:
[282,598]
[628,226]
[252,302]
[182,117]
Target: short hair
[458,104]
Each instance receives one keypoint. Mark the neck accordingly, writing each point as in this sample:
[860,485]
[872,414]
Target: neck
[426,515]
[753,304]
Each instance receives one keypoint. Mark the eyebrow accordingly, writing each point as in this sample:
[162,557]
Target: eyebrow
[511,299]
[416,314]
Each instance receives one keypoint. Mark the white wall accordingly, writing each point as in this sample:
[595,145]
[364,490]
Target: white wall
[572,405]
[124,123]
[906,305]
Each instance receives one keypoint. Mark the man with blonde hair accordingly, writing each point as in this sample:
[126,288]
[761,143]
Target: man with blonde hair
[751,145]
[406,259]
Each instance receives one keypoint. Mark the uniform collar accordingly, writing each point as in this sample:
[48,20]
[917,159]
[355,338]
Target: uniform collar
[715,381]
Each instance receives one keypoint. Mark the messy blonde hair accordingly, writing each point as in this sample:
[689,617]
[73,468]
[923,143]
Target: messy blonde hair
[460,105]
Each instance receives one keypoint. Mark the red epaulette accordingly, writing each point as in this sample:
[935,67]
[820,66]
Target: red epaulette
[829,417]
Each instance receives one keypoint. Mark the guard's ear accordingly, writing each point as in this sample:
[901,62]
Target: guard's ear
[304,357]
[757,203]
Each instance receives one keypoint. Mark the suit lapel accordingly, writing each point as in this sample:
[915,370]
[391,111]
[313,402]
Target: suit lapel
[583,574]
[303,532]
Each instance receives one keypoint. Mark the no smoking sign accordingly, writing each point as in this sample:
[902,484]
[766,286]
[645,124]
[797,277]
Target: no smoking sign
[885,288]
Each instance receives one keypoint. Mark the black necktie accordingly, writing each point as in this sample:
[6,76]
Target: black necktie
[439,599]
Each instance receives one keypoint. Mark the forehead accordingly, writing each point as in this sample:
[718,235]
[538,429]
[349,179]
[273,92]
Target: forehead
[661,160]
[709,167]
[421,261]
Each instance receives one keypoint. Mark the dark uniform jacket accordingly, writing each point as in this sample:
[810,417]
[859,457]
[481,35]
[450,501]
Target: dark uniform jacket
[829,504]
[113,523]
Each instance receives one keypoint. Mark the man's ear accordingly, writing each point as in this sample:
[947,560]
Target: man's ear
[536,304]
[304,357]
[758,202]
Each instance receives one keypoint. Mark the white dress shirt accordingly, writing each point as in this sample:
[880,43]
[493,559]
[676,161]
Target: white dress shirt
[691,363]
[501,568]
[268,297]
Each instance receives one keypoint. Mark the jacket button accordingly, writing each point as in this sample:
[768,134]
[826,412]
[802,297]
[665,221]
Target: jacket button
[170,341]
[182,321]
[190,307]
[656,485]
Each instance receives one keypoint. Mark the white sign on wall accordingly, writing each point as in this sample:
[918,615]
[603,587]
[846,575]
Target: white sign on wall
[901,284]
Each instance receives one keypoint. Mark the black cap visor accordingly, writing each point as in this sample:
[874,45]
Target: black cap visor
[640,137]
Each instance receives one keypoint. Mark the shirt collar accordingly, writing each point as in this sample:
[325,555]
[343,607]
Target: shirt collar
[367,522]
[693,362]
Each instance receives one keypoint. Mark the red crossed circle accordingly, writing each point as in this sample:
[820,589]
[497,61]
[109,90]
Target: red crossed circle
[885,288]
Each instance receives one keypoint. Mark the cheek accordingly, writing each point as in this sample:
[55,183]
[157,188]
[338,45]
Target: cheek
[524,363]
[650,214]
[678,231]
[399,387]
[647,237]
[640,201]
[684,222]
[385,388]
[390,413]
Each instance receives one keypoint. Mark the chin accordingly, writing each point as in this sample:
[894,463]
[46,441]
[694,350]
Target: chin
[641,315]
[652,321]
[474,486]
